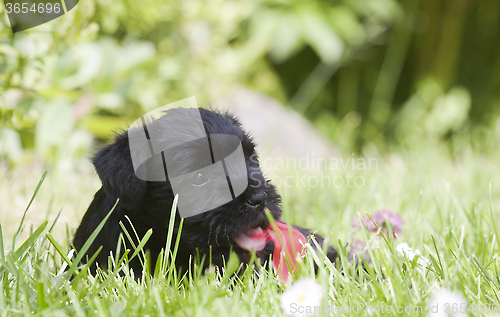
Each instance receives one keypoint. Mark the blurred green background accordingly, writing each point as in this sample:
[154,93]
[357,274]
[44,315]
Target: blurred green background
[384,74]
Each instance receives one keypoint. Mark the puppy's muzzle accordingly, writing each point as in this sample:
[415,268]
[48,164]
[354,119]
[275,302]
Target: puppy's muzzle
[258,201]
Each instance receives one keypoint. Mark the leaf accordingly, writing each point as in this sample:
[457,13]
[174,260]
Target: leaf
[10,144]
[89,56]
[8,50]
[102,126]
[321,36]
[346,23]
[54,126]
[133,54]
[287,38]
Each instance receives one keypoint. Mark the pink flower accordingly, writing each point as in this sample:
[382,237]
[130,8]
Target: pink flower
[384,219]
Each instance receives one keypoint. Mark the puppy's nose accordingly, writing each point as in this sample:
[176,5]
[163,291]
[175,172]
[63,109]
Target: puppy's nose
[258,200]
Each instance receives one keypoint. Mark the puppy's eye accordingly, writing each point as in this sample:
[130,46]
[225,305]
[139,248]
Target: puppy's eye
[199,179]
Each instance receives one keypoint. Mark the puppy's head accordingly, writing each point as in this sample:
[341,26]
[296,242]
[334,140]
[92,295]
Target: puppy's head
[218,226]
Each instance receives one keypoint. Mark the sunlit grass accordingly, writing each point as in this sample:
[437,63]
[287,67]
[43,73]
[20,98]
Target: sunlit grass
[449,206]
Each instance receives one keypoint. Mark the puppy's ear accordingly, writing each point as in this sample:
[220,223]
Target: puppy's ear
[113,164]
[234,120]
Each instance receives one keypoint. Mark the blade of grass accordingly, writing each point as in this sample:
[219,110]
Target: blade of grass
[437,264]
[493,222]
[16,235]
[51,228]
[280,238]
[132,243]
[159,302]
[83,271]
[142,244]
[136,235]
[65,265]
[375,264]
[31,239]
[75,301]
[2,251]
[2,296]
[58,248]
[89,242]
[41,294]
[171,227]
[172,269]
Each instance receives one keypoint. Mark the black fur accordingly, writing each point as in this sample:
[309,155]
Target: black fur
[148,204]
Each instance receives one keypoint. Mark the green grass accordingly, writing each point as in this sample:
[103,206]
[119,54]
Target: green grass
[449,205]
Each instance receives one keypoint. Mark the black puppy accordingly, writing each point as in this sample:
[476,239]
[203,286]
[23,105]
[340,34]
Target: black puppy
[213,233]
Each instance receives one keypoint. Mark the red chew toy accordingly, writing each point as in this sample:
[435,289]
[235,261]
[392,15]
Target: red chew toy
[286,246]
[288,251]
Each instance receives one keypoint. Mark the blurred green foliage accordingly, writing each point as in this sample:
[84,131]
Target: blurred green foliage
[377,72]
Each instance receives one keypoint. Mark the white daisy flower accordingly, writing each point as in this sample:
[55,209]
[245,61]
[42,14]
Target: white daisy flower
[446,303]
[406,251]
[302,298]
